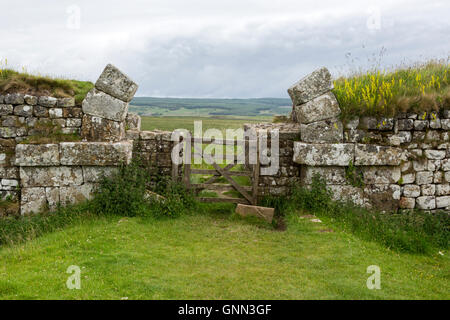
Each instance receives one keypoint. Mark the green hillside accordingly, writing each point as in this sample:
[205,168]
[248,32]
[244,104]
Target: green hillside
[210,107]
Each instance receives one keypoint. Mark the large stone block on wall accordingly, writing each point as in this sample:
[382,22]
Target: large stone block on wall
[331,175]
[311,86]
[326,131]
[100,104]
[116,83]
[76,194]
[339,154]
[381,175]
[101,129]
[37,155]
[33,200]
[95,174]
[347,193]
[372,155]
[320,108]
[50,176]
[96,153]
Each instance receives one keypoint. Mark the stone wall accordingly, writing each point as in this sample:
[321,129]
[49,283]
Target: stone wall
[39,171]
[391,163]
[278,181]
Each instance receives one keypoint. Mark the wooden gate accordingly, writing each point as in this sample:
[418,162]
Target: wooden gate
[249,193]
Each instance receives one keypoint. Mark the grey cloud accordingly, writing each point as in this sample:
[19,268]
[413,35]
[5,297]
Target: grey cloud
[229,49]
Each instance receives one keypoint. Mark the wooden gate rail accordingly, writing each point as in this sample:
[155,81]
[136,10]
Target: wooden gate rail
[250,193]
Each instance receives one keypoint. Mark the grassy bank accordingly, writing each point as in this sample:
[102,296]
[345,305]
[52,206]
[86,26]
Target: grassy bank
[214,256]
[420,88]
[12,81]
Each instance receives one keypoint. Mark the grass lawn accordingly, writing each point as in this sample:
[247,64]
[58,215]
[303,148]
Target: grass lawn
[214,256]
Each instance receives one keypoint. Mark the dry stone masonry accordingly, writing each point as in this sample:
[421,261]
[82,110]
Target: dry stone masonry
[392,163]
[41,176]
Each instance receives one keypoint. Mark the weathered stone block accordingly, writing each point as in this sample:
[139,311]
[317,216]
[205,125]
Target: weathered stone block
[47,101]
[50,176]
[255,211]
[435,124]
[421,125]
[133,121]
[321,108]
[52,197]
[445,164]
[76,194]
[381,175]
[372,123]
[347,193]
[33,200]
[331,175]
[408,178]
[424,177]
[95,174]
[411,191]
[115,83]
[442,189]
[65,102]
[72,112]
[40,111]
[438,177]
[10,121]
[96,153]
[23,110]
[100,104]
[9,184]
[14,98]
[445,124]
[7,132]
[9,173]
[132,134]
[326,131]
[6,109]
[101,129]
[407,203]
[372,155]
[55,113]
[405,124]
[428,189]
[30,100]
[323,154]
[435,154]
[37,155]
[442,202]
[400,138]
[73,122]
[426,202]
[311,86]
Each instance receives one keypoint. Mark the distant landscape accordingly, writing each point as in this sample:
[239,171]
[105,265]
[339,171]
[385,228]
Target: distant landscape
[163,107]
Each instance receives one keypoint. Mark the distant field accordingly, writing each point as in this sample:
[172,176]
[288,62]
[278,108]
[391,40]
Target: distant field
[210,107]
[222,123]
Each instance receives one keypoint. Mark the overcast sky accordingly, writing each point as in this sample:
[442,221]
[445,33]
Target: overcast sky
[218,48]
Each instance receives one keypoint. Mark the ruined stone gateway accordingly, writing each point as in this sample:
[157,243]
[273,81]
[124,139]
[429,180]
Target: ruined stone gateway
[402,163]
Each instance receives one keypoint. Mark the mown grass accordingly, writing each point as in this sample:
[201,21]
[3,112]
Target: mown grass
[422,87]
[12,81]
[212,254]
[205,251]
